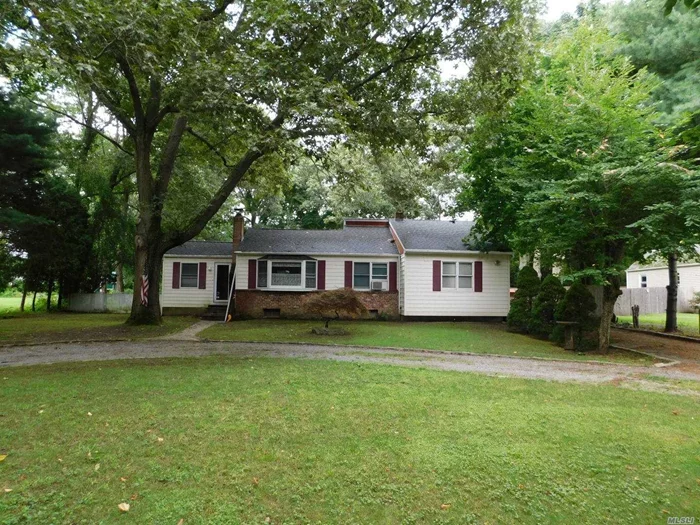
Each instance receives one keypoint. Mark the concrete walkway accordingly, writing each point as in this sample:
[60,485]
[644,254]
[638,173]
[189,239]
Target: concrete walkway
[188,334]
[629,375]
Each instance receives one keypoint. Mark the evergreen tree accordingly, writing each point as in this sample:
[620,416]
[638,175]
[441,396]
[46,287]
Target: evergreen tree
[521,306]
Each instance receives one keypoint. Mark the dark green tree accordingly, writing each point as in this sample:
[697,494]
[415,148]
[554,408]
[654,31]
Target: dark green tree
[551,292]
[577,306]
[520,312]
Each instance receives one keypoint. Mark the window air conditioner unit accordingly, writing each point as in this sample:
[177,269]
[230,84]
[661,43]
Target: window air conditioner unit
[379,285]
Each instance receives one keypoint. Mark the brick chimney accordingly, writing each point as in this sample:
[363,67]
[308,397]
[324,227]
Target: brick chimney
[237,233]
[399,215]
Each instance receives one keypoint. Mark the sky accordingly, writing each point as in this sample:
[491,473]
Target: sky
[556,8]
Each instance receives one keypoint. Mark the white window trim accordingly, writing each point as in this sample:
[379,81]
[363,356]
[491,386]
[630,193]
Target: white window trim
[182,272]
[270,286]
[456,275]
[643,281]
[371,272]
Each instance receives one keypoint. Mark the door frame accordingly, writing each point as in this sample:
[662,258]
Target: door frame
[216,278]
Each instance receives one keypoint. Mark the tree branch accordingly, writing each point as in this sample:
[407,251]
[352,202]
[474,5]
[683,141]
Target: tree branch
[236,173]
[167,161]
[133,89]
[73,119]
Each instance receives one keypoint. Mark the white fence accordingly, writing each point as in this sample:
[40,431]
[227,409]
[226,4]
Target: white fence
[650,300]
[99,302]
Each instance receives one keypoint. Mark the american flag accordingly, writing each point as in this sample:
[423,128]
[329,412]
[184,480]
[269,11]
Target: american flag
[144,290]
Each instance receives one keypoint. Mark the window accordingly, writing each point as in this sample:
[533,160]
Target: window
[360,278]
[364,273]
[465,275]
[310,274]
[262,274]
[189,275]
[449,274]
[285,274]
[456,275]
[379,271]
[644,281]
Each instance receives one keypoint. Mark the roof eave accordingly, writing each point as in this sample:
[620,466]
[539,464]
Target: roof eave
[452,252]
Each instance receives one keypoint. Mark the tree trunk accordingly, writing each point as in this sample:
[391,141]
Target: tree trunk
[610,294]
[34,302]
[672,295]
[48,294]
[60,294]
[24,299]
[149,262]
[120,277]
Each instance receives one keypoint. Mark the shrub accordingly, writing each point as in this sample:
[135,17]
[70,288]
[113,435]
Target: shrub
[544,305]
[330,305]
[521,305]
[578,305]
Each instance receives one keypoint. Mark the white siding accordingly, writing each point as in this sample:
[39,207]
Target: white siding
[658,277]
[421,300]
[188,297]
[402,280]
[335,268]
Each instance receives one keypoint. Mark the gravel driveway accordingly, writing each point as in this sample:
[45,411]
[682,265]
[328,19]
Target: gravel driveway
[493,365]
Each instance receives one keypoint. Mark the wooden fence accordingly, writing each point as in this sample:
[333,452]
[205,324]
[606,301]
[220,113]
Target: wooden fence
[650,300]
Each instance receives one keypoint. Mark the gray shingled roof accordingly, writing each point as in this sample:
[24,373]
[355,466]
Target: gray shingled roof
[433,235]
[203,249]
[351,239]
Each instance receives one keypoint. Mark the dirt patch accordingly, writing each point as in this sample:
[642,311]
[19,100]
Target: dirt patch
[679,350]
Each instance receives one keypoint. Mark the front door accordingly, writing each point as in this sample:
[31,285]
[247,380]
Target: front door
[222,283]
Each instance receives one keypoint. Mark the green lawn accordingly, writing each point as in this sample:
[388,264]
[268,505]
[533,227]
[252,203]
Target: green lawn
[244,440]
[62,326]
[8,304]
[687,323]
[482,338]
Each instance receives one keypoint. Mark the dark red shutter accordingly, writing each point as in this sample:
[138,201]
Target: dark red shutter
[437,276]
[202,276]
[252,274]
[321,275]
[392,276]
[478,276]
[176,275]
[348,274]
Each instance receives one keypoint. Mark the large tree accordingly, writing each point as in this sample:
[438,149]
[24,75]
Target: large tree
[574,164]
[245,79]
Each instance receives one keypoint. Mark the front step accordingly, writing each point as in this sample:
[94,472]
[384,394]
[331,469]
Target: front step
[214,312]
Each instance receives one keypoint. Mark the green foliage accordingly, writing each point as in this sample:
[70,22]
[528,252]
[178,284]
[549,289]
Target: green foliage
[668,46]
[576,161]
[578,306]
[520,312]
[544,306]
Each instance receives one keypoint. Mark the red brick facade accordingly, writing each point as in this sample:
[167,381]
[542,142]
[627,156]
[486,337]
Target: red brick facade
[253,303]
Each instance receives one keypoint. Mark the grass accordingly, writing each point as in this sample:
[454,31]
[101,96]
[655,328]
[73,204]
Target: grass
[480,338]
[8,304]
[244,440]
[59,326]
[687,323]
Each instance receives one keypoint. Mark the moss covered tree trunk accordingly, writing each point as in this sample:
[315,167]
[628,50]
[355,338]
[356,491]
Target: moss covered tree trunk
[611,292]
[672,295]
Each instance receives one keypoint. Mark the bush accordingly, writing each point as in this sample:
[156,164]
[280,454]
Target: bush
[551,292]
[521,305]
[330,305]
[578,305]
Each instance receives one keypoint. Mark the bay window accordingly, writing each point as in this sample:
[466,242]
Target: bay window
[286,275]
